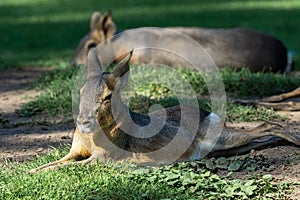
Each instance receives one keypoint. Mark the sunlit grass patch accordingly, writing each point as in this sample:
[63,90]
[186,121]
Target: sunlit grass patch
[190,180]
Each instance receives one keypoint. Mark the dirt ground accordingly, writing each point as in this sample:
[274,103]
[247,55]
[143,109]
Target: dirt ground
[22,138]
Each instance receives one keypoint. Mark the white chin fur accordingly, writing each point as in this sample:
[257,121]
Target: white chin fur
[83,129]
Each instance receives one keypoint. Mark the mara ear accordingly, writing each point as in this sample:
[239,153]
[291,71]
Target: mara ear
[93,64]
[95,19]
[119,73]
[107,25]
[123,66]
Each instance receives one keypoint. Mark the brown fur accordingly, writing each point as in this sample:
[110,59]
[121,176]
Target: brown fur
[236,48]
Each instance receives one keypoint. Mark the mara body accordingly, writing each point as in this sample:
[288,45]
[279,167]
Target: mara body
[235,48]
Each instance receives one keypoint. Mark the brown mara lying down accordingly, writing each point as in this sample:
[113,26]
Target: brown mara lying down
[236,48]
[108,130]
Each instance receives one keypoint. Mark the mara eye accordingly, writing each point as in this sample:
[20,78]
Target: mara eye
[91,45]
[108,97]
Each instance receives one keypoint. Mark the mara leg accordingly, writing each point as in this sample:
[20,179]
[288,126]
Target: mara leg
[278,137]
[248,147]
[232,138]
[65,159]
[291,136]
[77,151]
[283,96]
[64,162]
[276,102]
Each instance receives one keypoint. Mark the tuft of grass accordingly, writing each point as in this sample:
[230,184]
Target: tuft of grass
[240,113]
[126,181]
[57,96]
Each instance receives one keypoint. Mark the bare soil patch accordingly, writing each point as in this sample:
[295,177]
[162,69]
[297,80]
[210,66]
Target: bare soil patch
[21,138]
[24,137]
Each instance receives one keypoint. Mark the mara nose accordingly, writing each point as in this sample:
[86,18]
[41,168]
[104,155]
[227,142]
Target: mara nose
[83,122]
[85,125]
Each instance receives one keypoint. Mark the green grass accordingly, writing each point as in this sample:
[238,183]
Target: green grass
[180,181]
[56,98]
[42,33]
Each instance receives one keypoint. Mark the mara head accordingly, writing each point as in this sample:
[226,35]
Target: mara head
[102,27]
[99,94]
